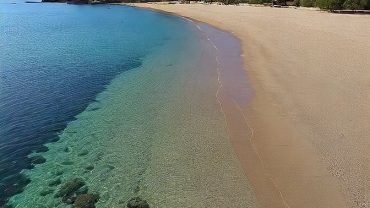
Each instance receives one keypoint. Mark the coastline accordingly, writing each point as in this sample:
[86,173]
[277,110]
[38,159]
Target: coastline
[156,132]
[307,121]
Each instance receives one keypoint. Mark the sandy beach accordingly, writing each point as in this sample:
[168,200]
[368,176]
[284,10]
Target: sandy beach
[308,123]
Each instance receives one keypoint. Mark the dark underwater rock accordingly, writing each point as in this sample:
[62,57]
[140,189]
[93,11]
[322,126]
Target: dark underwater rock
[94,108]
[58,172]
[86,201]
[37,159]
[89,168]
[22,180]
[69,188]
[69,199]
[67,149]
[46,192]
[42,149]
[108,167]
[82,190]
[54,139]
[67,162]
[55,182]
[137,202]
[83,153]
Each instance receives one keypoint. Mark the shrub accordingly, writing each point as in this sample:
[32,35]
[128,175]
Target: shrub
[230,2]
[355,4]
[322,4]
[255,1]
[307,3]
[330,4]
[259,1]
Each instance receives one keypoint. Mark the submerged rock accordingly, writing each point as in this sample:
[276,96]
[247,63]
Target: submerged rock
[38,159]
[89,168]
[137,202]
[86,201]
[55,182]
[67,162]
[66,149]
[46,192]
[43,148]
[82,190]
[54,139]
[94,109]
[83,153]
[58,172]
[69,188]
[69,199]
[108,167]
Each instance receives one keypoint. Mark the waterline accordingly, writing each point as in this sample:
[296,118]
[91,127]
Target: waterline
[157,132]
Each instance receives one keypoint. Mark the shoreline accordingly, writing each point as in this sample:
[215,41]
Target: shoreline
[291,119]
[267,194]
[156,132]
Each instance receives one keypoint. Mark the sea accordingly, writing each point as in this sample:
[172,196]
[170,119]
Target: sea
[116,102]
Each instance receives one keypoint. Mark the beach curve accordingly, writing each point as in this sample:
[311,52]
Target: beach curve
[307,100]
[157,132]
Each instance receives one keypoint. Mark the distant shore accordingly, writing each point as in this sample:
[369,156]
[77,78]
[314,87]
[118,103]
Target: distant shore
[309,119]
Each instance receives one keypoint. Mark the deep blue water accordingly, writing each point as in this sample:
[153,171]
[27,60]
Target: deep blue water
[54,60]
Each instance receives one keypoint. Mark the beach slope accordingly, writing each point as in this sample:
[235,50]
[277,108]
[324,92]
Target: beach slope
[308,121]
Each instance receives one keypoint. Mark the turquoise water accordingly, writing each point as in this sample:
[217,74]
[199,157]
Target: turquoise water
[121,98]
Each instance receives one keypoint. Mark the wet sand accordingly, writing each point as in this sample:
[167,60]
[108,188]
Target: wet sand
[308,123]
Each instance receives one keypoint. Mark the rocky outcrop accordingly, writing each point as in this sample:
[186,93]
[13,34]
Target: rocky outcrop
[78,2]
[37,159]
[58,1]
[137,202]
[70,187]
[86,201]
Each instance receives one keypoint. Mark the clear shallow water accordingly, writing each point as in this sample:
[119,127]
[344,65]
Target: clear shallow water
[123,98]
[54,59]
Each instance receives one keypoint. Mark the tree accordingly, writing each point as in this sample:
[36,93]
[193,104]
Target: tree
[355,4]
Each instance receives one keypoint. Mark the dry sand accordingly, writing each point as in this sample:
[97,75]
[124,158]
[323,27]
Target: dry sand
[309,120]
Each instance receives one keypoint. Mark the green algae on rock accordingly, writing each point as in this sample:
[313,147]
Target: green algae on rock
[83,153]
[37,159]
[89,168]
[70,187]
[82,190]
[137,202]
[86,201]
[46,192]
[55,182]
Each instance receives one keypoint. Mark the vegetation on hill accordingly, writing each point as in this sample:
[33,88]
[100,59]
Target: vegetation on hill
[343,4]
[322,4]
